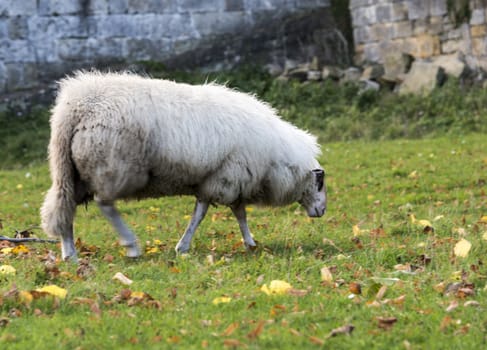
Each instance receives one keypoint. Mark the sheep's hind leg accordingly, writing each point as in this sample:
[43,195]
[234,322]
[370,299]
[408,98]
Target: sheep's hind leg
[127,238]
[68,249]
[199,213]
[239,212]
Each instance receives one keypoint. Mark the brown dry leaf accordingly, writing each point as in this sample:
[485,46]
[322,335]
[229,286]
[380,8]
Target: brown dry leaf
[316,340]
[298,292]
[386,322]
[295,332]
[445,323]
[122,279]
[355,288]
[380,294]
[230,329]
[453,305]
[346,329]
[233,343]
[255,333]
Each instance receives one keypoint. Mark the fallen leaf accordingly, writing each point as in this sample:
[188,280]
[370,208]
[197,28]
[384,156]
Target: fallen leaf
[471,303]
[453,305]
[25,297]
[230,329]
[386,322]
[20,249]
[484,236]
[380,294]
[462,248]
[483,219]
[122,279]
[316,340]
[253,334]
[326,275]
[355,288]
[221,300]
[233,343]
[7,270]
[347,329]
[276,287]
[53,290]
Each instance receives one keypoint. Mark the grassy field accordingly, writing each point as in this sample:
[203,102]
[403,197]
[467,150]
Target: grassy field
[397,261]
[371,264]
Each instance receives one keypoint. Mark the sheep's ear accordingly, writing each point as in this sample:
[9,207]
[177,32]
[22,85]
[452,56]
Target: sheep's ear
[319,177]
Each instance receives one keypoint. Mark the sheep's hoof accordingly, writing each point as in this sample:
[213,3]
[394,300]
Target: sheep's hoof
[181,249]
[71,259]
[132,251]
[251,247]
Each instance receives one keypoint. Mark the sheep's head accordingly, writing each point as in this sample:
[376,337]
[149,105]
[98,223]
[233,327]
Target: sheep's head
[314,195]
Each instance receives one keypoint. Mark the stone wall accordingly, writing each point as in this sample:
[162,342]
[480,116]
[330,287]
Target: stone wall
[422,28]
[41,40]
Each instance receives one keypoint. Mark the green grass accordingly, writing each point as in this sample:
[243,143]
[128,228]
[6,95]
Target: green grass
[374,185]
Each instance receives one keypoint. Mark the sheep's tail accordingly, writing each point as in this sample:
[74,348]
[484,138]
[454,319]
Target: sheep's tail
[59,207]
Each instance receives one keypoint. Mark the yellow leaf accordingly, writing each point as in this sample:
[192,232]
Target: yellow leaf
[20,249]
[276,287]
[249,209]
[20,186]
[187,217]
[7,270]
[484,219]
[25,297]
[138,295]
[357,231]
[152,250]
[462,248]
[53,290]
[326,275]
[6,250]
[221,300]
[414,175]
[484,236]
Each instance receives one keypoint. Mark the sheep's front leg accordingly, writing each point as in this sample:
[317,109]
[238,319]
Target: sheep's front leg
[199,213]
[127,238]
[68,249]
[239,212]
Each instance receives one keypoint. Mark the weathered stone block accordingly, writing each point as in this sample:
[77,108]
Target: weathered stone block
[437,7]
[363,35]
[422,78]
[145,49]
[478,31]
[479,46]
[118,7]
[18,8]
[363,16]
[63,7]
[198,5]
[399,11]
[71,49]
[19,51]
[418,9]
[371,53]
[383,32]
[396,64]
[452,64]
[373,72]
[3,28]
[216,23]
[153,6]
[425,45]
[402,29]
[452,46]
[477,17]
[383,13]
[234,5]
[17,28]
[435,25]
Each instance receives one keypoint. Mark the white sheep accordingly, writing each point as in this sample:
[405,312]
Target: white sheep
[119,135]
